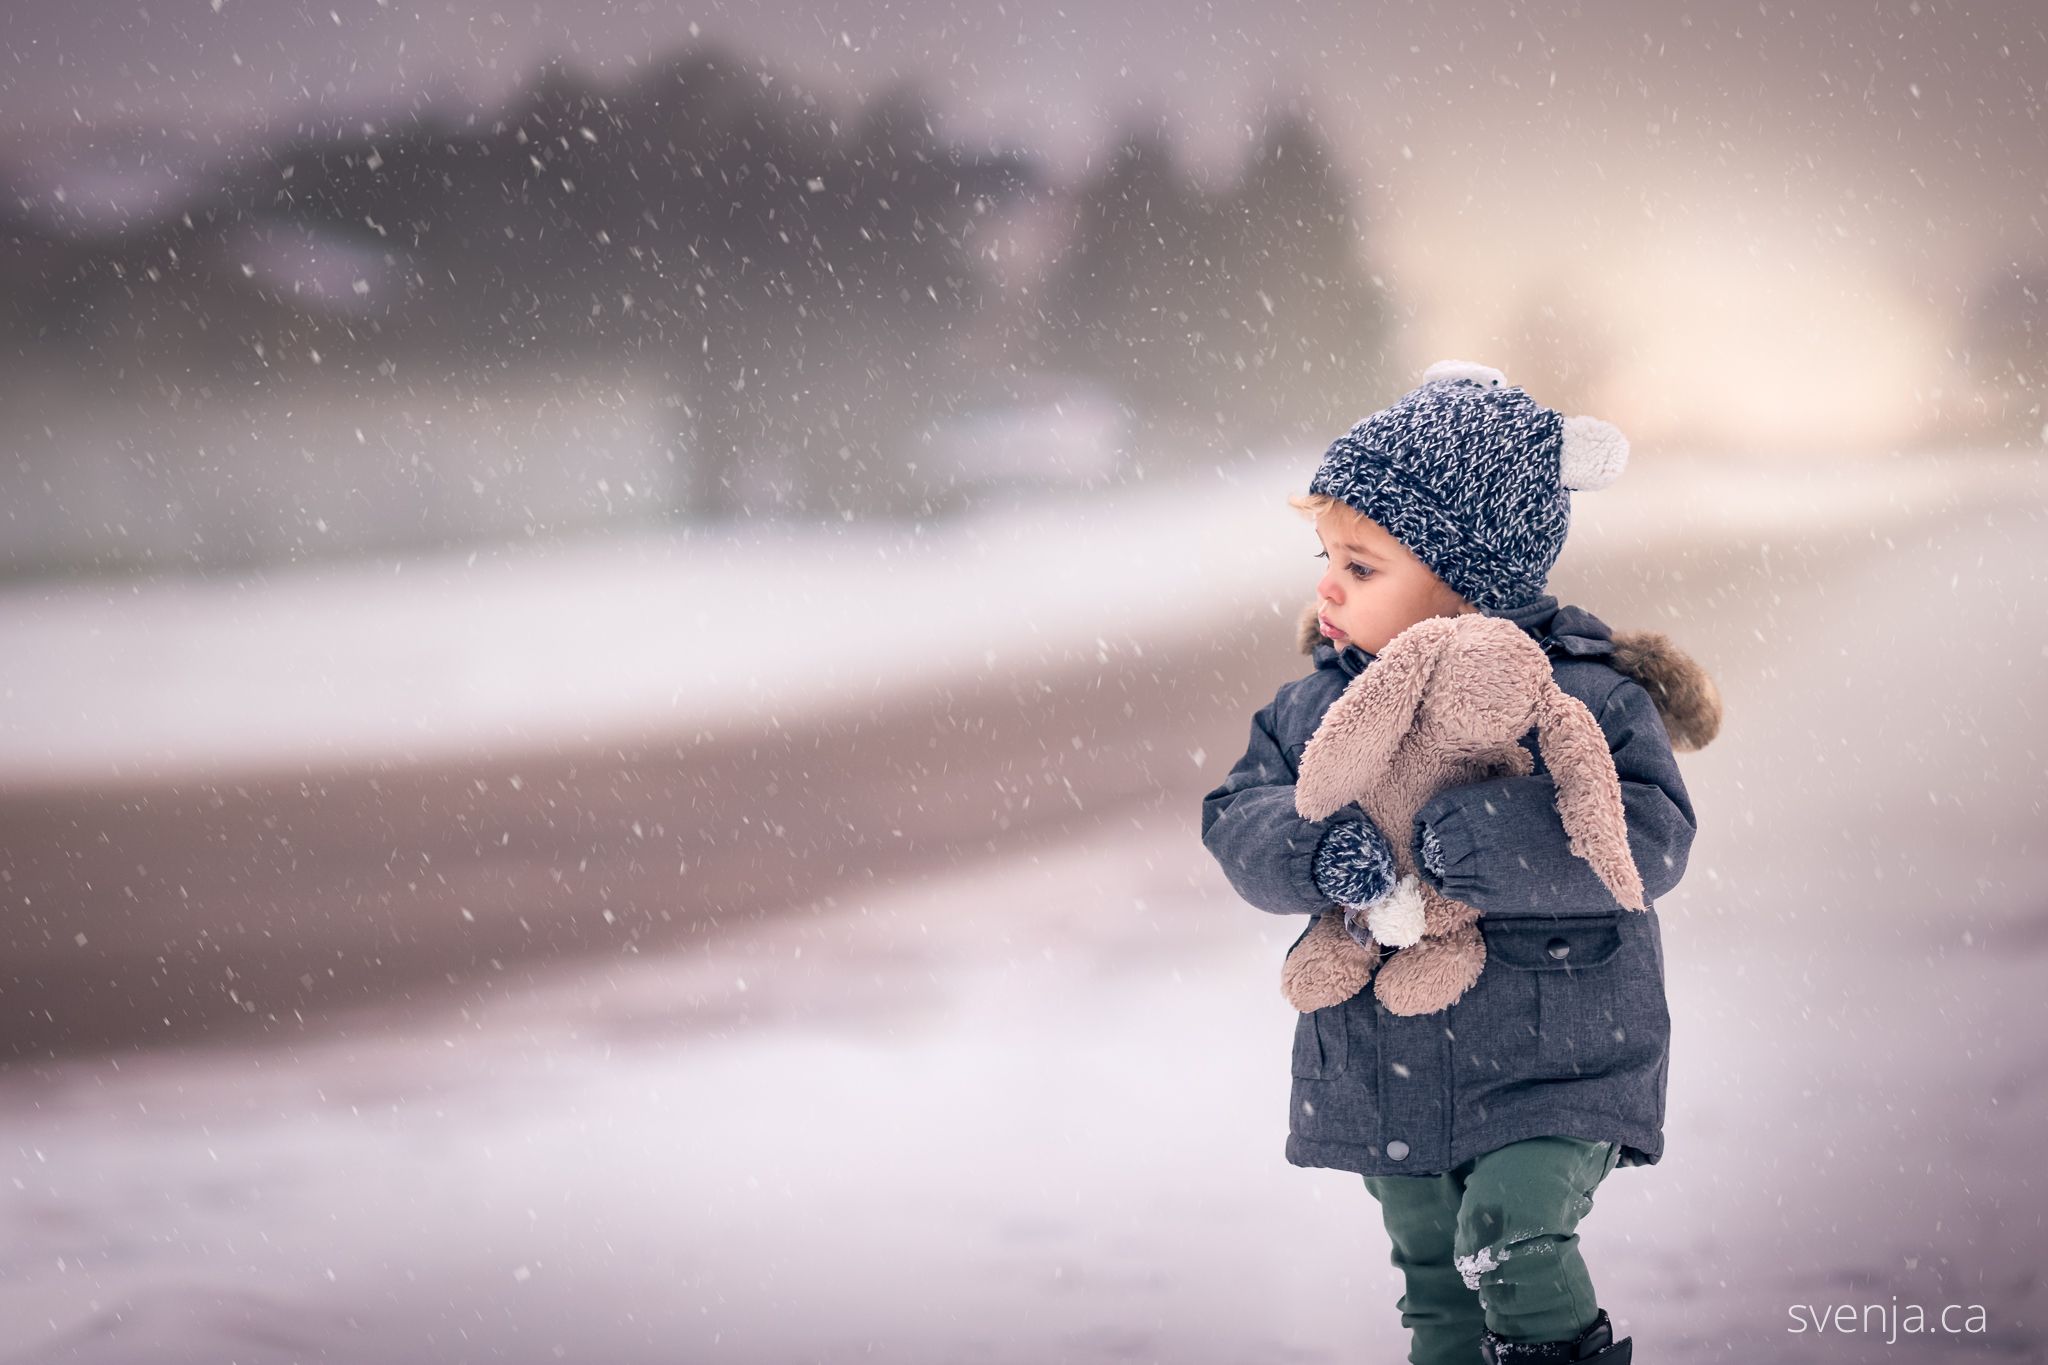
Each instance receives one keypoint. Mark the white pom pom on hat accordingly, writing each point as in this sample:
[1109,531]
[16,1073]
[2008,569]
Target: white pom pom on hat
[1595,453]
[1464,369]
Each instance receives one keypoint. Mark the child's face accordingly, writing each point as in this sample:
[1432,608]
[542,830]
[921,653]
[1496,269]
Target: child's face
[1375,587]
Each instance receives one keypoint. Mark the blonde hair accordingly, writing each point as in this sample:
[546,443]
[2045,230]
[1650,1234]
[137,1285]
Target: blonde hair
[1313,505]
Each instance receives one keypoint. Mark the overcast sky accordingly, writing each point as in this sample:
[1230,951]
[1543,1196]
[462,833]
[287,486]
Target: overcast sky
[1764,215]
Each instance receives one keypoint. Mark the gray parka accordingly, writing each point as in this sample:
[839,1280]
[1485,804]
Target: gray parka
[1566,1031]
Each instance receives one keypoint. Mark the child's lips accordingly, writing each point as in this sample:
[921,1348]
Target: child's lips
[1329,629]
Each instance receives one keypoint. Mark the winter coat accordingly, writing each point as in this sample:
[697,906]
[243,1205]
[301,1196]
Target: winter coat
[1567,1032]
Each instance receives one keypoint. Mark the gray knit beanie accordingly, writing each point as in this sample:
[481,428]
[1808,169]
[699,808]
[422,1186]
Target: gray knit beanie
[1474,477]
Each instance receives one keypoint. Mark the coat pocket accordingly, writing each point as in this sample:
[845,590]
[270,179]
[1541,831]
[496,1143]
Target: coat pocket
[1579,1033]
[1320,1048]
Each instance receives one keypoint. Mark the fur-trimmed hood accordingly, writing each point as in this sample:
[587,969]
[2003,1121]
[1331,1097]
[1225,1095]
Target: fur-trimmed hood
[1683,691]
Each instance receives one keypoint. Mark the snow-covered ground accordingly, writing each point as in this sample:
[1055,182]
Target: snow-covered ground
[1032,1109]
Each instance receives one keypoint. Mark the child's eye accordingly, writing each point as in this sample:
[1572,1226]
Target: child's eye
[1358,571]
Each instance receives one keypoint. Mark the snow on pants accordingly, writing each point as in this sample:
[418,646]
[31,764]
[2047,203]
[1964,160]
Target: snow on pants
[1490,1243]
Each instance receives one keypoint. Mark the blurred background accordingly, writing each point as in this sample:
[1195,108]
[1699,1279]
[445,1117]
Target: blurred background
[613,619]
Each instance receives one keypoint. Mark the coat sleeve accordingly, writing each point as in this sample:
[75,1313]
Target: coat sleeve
[1505,850]
[1249,825]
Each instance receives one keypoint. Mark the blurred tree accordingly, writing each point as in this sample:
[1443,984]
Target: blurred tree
[838,337]
[1311,324]
[1228,319]
[1132,296]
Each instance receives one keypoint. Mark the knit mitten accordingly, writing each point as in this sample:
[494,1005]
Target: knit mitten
[1430,854]
[1354,866]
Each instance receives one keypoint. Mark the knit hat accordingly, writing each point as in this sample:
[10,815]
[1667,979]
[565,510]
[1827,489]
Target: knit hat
[1474,477]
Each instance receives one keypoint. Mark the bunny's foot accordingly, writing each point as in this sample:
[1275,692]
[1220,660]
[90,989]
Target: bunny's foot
[1431,975]
[1327,967]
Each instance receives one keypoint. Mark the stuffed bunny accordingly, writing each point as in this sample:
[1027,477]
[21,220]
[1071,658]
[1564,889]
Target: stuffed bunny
[1445,703]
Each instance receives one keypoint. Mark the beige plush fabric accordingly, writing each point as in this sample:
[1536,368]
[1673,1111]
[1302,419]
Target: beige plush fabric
[1446,703]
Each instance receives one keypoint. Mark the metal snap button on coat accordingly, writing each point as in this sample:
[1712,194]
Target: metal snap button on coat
[1397,1150]
[1557,947]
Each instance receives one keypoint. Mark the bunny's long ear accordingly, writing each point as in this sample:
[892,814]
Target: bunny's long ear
[1588,792]
[1349,752]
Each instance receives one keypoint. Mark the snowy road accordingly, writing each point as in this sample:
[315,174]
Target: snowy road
[1031,1107]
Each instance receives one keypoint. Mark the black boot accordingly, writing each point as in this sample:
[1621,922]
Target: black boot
[1596,1343]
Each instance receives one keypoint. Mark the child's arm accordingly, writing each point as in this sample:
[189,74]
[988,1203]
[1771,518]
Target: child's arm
[1503,847]
[1266,849]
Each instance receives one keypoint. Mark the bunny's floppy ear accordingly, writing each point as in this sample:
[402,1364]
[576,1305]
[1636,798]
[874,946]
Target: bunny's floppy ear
[1588,792]
[1350,749]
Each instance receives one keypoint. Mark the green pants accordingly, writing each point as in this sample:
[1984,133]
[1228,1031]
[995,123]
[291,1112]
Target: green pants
[1490,1243]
